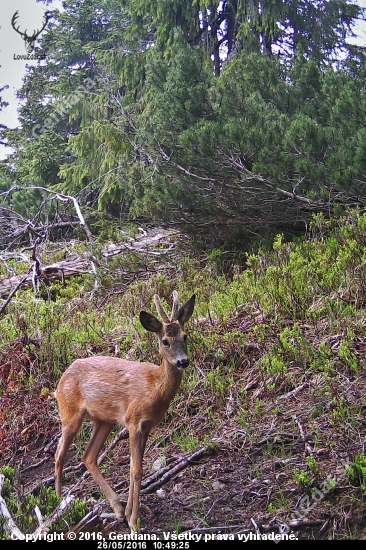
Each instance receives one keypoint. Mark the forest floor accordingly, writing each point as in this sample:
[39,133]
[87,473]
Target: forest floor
[253,472]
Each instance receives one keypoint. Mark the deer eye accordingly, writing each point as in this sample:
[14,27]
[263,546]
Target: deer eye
[165,342]
[185,338]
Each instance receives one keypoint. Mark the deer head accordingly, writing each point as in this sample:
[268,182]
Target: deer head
[170,332]
[29,40]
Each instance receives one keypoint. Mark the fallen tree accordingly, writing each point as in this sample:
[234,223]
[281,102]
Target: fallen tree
[154,244]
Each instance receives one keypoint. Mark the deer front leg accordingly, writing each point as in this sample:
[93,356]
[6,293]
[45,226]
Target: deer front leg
[90,459]
[137,446]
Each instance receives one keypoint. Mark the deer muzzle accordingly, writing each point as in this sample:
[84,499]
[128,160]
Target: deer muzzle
[183,363]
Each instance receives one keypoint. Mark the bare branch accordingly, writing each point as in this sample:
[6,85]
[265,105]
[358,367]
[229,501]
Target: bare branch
[9,522]
[59,196]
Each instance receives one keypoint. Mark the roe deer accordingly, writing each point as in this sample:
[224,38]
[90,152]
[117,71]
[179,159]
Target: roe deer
[137,395]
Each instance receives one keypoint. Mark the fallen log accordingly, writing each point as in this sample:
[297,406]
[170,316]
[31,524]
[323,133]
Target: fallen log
[151,244]
[57,271]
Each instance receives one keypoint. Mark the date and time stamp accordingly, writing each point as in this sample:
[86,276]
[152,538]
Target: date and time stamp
[167,541]
[116,541]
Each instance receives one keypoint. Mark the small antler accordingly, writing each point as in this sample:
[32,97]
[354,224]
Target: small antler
[160,309]
[174,314]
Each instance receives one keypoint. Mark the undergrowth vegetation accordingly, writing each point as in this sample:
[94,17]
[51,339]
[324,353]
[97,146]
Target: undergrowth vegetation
[278,370]
[21,506]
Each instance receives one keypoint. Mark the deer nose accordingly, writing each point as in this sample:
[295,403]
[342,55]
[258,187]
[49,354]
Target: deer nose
[183,363]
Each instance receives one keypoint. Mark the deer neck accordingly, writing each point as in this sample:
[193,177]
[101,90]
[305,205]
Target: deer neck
[169,379]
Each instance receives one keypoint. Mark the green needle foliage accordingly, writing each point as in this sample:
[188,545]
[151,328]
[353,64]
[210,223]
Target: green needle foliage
[240,117]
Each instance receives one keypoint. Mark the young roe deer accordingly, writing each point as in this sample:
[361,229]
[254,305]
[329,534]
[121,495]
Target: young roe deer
[137,395]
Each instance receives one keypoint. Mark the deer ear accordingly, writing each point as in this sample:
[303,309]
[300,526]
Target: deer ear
[185,312]
[150,322]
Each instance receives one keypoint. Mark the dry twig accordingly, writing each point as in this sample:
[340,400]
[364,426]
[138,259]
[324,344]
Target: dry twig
[44,524]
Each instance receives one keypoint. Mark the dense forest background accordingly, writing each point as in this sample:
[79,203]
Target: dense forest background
[209,148]
[227,119]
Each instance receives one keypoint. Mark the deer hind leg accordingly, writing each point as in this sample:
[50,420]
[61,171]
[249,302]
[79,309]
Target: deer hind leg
[90,457]
[137,444]
[69,430]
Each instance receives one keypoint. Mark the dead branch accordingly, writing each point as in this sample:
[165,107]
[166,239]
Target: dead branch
[9,522]
[90,519]
[60,270]
[44,524]
[295,391]
[53,442]
[183,462]
[39,229]
[50,480]
[21,281]
[33,466]
[304,437]
[149,487]
[148,480]
[122,434]
[146,244]
[59,196]
[256,528]
[302,524]
[141,244]
[58,512]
